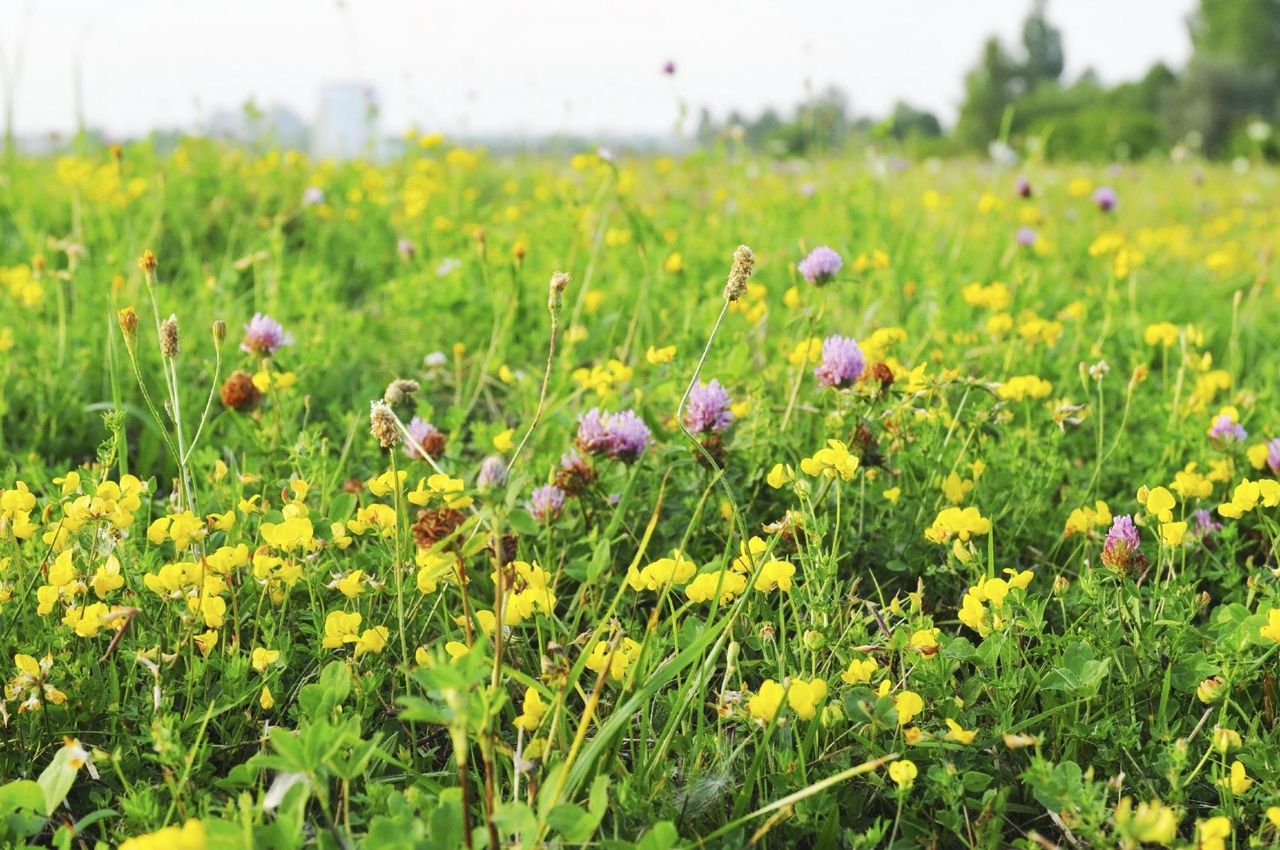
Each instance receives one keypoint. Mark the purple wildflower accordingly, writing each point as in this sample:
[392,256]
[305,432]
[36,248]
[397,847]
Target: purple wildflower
[1026,237]
[708,408]
[493,472]
[1105,198]
[1206,525]
[405,249]
[1023,187]
[1227,430]
[621,436]
[1122,548]
[424,434]
[669,68]
[545,503]
[313,196]
[263,335]
[820,266]
[1273,455]
[842,362]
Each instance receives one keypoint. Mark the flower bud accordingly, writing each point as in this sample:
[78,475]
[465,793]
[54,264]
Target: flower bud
[128,325]
[219,333]
[148,262]
[555,295]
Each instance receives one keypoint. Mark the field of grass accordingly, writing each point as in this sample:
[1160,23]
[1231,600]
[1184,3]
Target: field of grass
[332,515]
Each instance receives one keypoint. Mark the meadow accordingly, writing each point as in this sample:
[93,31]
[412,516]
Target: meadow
[462,501]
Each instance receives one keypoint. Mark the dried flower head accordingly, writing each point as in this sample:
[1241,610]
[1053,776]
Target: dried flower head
[744,261]
[400,391]
[148,262]
[383,425]
[128,325]
[555,294]
[169,336]
[239,392]
[423,433]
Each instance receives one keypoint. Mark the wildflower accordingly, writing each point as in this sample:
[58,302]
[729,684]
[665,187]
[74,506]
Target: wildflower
[961,523]
[662,572]
[1211,834]
[493,473]
[1023,187]
[313,196]
[622,436]
[1024,387]
[1271,630]
[804,697]
[1226,429]
[1026,237]
[169,336]
[775,574]
[658,356]
[190,836]
[859,671]
[958,734]
[780,475]
[724,583]
[842,362]
[903,772]
[405,249]
[263,336]
[1225,740]
[266,701]
[832,461]
[707,410]
[908,704]
[1121,551]
[1150,823]
[261,658]
[1210,689]
[1159,503]
[820,266]
[766,702]
[400,391]
[532,710]
[1105,198]
[423,437]
[1273,455]
[618,660]
[546,503]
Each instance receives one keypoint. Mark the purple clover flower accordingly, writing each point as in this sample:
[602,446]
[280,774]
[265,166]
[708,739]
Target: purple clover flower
[820,266]
[842,362]
[669,68]
[1227,430]
[622,436]
[1105,198]
[545,503]
[313,196]
[1122,548]
[405,249]
[263,335]
[422,433]
[1273,455]
[708,408]
[493,472]
[1026,237]
[1023,187]
[1206,525]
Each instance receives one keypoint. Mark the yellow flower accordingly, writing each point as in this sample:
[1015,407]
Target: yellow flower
[662,572]
[780,476]
[705,586]
[505,440]
[658,356]
[805,696]
[1271,630]
[261,658]
[1149,823]
[908,705]
[1211,834]
[960,522]
[859,671]
[341,627]
[1273,815]
[190,836]
[892,494]
[1159,503]
[834,460]
[958,734]
[372,640]
[622,658]
[775,574]
[265,699]
[903,772]
[766,702]
[1239,781]
[533,708]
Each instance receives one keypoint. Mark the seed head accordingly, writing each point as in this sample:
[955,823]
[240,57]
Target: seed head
[399,391]
[169,336]
[382,424]
[555,291]
[744,260]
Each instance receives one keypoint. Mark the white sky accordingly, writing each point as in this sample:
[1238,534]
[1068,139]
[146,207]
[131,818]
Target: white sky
[535,66]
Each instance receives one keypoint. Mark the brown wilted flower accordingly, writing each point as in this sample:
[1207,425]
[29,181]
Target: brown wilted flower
[881,372]
[575,475]
[400,390]
[435,525]
[555,294]
[239,392]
